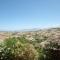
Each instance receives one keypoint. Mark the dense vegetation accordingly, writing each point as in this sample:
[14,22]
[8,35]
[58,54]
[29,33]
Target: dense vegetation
[45,46]
[17,49]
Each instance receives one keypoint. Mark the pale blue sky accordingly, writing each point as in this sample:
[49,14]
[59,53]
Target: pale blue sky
[28,14]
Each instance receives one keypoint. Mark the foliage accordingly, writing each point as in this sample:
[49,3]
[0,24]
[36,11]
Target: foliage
[14,49]
[19,48]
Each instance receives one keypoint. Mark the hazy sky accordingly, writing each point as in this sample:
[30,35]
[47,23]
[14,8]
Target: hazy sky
[27,14]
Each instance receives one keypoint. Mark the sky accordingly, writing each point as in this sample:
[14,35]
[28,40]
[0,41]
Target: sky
[28,14]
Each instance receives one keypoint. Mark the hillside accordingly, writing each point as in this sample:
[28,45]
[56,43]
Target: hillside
[41,44]
[47,33]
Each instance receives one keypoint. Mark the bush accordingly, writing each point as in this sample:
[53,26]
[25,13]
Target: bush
[14,49]
[5,53]
[51,51]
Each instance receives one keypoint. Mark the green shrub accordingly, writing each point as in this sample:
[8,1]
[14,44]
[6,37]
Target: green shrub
[16,49]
